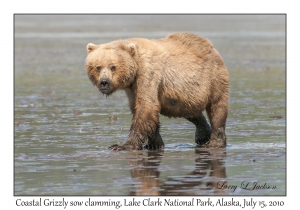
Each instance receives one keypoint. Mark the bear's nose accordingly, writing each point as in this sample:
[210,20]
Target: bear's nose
[104,83]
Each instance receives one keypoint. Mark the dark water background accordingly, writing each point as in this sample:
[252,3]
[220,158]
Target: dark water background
[62,127]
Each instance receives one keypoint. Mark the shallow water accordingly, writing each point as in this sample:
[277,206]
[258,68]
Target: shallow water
[62,127]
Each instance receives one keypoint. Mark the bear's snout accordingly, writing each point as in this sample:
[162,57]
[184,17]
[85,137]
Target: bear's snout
[104,83]
[105,86]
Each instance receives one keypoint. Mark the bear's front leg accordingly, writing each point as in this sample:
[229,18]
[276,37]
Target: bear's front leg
[145,106]
[156,143]
[144,129]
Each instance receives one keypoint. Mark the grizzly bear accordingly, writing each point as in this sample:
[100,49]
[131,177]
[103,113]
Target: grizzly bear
[180,75]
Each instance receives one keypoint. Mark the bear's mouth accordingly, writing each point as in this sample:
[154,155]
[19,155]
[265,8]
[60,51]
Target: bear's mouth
[105,91]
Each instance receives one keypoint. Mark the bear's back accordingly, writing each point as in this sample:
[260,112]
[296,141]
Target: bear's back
[190,42]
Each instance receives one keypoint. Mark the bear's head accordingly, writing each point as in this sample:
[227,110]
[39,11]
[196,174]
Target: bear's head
[111,66]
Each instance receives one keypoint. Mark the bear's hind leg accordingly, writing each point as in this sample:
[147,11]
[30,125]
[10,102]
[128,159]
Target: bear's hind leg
[203,131]
[217,114]
[156,143]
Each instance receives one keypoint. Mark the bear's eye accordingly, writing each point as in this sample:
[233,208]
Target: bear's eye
[113,68]
[99,68]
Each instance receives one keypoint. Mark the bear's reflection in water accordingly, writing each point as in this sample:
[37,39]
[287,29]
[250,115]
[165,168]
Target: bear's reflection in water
[203,180]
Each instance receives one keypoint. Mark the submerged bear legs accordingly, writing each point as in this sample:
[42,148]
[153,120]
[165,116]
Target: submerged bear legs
[144,130]
[203,131]
[213,135]
[153,143]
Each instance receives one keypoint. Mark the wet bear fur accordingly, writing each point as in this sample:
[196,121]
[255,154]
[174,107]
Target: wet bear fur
[180,75]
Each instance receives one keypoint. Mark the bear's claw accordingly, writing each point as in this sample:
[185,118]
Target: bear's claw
[154,147]
[203,141]
[215,144]
[217,139]
[115,147]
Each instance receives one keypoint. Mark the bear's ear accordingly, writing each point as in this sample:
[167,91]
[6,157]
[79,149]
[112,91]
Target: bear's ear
[90,47]
[132,48]
[129,47]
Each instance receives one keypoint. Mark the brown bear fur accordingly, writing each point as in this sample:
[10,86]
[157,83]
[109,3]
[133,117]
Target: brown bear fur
[180,75]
